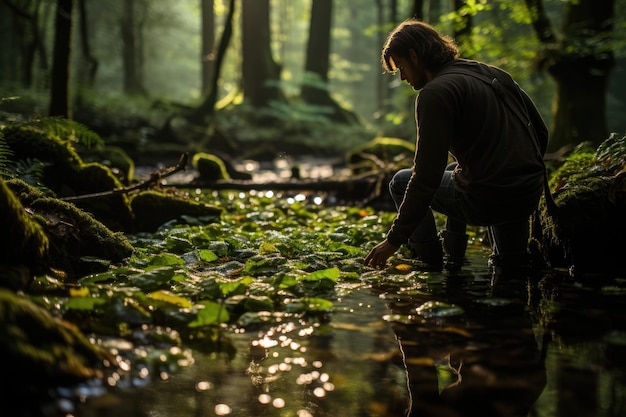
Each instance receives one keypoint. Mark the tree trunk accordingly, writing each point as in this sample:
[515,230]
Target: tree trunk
[91,62]
[207,108]
[418,9]
[208,43]
[26,27]
[580,63]
[132,83]
[59,90]
[259,69]
[318,62]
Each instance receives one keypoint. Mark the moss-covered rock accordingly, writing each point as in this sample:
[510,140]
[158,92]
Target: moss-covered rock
[25,245]
[381,152]
[73,233]
[154,208]
[210,167]
[590,191]
[114,158]
[52,143]
[43,350]
[112,210]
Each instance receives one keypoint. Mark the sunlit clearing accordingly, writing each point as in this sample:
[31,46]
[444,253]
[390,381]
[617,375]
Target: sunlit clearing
[222,410]
[265,399]
[278,403]
[204,386]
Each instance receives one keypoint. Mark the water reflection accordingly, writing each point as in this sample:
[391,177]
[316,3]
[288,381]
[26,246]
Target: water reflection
[418,344]
[475,353]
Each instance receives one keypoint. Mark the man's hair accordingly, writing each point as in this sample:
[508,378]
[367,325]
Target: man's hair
[433,49]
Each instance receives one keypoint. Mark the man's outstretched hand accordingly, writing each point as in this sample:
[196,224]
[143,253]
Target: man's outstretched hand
[377,258]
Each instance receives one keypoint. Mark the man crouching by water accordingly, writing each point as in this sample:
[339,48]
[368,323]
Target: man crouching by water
[477,114]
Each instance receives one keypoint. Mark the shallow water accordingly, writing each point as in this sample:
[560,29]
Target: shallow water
[424,344]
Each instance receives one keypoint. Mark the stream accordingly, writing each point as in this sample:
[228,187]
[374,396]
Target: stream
[444,345]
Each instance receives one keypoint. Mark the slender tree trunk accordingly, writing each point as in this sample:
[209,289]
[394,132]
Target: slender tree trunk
[581,64]
[28,34]
[129,27]
[318,52]
[318,62]
[207,108]
[92,63]
[260,72]
[59,92]
[208,43]
[418,9]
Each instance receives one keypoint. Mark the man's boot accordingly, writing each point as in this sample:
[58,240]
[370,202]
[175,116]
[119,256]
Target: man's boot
[429,253]
[454,245]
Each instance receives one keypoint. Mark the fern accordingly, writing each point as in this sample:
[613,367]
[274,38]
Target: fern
[30,171]
[68,130]
[5,155]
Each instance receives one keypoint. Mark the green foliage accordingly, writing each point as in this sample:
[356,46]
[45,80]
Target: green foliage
[5,156]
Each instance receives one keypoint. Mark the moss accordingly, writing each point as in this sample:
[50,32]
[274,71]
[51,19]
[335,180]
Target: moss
[24,241]
[114,210]
[590,224]
[210,167]
[73,233]
[381,150]
[42,348]
[153,208]
[114,158]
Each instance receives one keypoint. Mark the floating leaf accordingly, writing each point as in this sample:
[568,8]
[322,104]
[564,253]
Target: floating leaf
[168,297]
[330,273]
[403,268]
[309,304]
[210,313]
[208,255]
[166,259]
[152,280]
[438,309]
[84,303]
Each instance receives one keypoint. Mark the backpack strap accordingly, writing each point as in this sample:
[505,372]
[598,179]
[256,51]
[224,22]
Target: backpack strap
[505,94]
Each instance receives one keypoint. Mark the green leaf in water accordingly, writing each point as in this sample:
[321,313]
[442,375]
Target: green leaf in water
[330,273]
[207,255]
[438,309]
[170,298]
[152,280]
[210,313]
[309,304]
[84,303]
[166,259]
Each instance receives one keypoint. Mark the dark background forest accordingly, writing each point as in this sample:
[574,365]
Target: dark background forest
[254,78]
